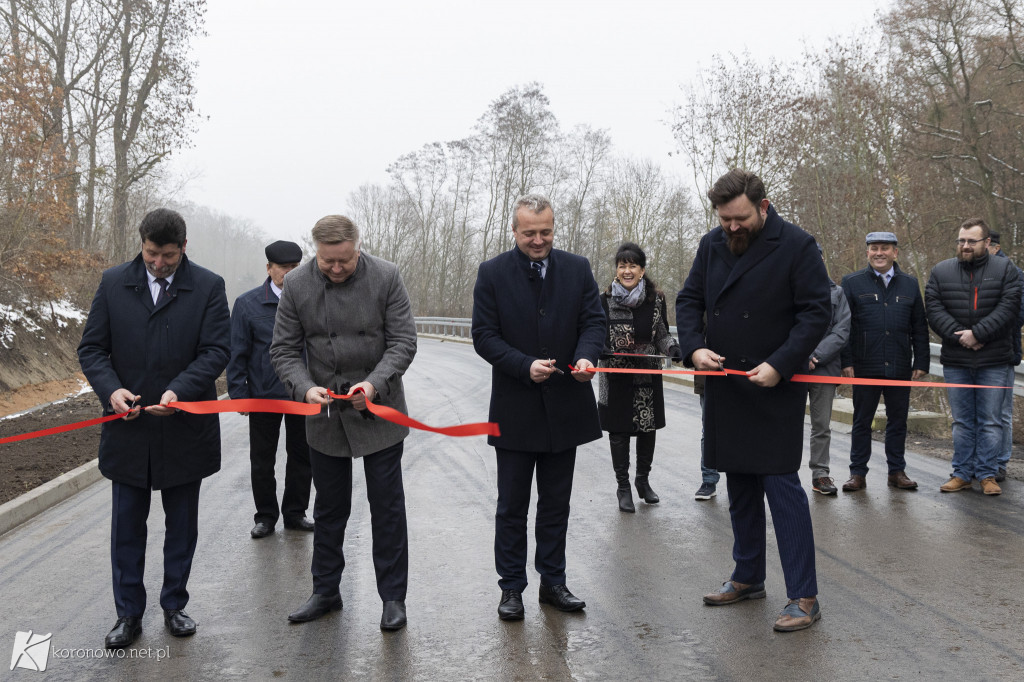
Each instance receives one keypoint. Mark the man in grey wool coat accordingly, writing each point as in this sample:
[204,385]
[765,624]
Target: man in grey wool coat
[351,313]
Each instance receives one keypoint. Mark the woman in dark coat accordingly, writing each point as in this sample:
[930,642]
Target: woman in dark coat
[633,404]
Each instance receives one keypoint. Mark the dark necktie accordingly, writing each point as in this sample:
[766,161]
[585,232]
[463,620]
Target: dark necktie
[163,290]
[538,269]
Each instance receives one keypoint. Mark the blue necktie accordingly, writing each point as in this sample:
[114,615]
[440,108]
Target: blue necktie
[538,268]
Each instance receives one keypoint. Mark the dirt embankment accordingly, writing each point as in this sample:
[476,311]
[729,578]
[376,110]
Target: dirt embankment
[36,351]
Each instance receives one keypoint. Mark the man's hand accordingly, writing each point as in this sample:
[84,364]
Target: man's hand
[764,375]
[968,340]
[121,402]
[358,400]
[162,410]
[918,373]
[318,396]
[847,372]
[581,373]
[707,360]
[541,370]
[812,363]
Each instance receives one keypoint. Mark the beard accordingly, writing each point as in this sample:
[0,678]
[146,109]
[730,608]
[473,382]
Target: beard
[966,255]
[740,240]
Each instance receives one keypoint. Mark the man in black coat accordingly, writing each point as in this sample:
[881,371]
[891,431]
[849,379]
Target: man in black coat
[888,340]
[972,303]
[535,311]
[250,375]
[764,288]
[158,332]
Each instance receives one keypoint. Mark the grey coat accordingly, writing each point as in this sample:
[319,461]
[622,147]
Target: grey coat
[359,330]
[836,336]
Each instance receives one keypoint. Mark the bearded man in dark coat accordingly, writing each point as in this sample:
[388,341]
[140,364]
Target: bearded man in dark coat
[158,332]
[765,291]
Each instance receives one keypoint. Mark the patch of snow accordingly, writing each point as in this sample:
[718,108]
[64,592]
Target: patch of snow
[23,317]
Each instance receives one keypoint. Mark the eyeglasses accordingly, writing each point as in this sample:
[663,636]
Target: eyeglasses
[968,242]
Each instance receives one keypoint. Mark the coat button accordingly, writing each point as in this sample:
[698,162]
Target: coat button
[333,334]
[362,333]
[716,312]
[746,314]
[541,311]
[327,286]
[543,351]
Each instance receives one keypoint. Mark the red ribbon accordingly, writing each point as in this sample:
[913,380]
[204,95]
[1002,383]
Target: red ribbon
[798,378]
[61,429]
[276,406]
[392,415]
[246,405]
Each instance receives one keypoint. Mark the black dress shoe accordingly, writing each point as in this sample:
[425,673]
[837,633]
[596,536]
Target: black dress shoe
[261,530]
[511,606]
[561,598]
[179,623]
[316,606]
[126,630]
[393,617]
[301,523]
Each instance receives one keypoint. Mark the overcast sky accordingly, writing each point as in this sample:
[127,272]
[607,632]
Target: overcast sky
[304,101]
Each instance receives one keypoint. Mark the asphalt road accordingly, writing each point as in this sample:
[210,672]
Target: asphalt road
[913,585]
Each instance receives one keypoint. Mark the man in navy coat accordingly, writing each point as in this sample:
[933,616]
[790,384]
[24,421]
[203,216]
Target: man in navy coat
[158,332]
[764,288]
[250,375]
[535,311]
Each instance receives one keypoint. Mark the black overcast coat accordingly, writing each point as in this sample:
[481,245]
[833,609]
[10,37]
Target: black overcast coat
[182,346]
[770,304]
[519,317]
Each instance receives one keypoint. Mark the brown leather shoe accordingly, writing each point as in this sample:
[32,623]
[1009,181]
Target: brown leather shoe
[732,592]
[900,480]
[854,484]
[956,484]
[990,487]
[799,614]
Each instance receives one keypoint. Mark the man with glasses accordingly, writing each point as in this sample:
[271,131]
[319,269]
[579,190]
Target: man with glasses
[973,302]
[888,340]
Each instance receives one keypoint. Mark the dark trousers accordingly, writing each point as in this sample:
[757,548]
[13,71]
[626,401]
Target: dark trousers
[791,517]
[332,477]
[554,488]
[128,544]
[264,432]
[897,405]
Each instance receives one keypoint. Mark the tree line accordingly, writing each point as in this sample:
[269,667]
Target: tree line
[911,126]
[95,96]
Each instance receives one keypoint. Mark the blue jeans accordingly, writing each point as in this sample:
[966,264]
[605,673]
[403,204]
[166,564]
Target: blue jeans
[1007,420]
[977,420]
[706,475]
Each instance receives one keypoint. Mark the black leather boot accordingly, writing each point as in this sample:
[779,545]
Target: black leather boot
[644,459]
[619,443]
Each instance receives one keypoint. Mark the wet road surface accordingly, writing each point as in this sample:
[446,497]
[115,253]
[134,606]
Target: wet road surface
[917,585]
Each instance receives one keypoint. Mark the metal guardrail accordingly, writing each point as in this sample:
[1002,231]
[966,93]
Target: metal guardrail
[444,326]
[459,327]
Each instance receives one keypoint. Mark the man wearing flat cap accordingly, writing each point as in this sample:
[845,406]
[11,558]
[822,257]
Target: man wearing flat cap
[888,340]
[250,375]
